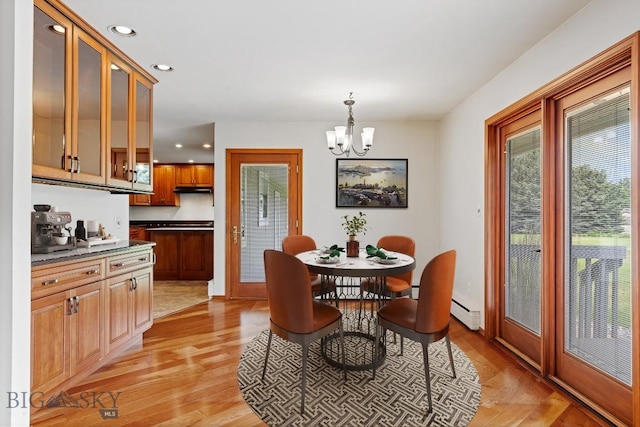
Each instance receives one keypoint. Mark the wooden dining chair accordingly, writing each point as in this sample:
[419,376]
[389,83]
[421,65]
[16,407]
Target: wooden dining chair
[425,320]
[320,287]
[294,315]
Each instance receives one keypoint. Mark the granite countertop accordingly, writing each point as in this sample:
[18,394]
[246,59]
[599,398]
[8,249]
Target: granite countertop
[78,253]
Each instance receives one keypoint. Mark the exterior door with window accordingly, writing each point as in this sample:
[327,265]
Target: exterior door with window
[593,332]
[520,297]
[263,205]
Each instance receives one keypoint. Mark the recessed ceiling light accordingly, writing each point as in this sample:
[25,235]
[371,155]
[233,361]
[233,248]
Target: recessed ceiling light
[190,160]
[178,145]
[162,67]
[206,145]
[121,30]
[57,28]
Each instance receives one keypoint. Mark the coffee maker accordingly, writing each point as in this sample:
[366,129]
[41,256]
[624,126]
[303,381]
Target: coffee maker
[48,232]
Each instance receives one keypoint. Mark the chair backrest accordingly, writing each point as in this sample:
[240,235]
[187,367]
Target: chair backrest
[401,244]
[293,245]
[436,290]
[288,292]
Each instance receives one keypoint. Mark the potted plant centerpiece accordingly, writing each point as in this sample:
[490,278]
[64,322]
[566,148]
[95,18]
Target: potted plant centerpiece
[353,226]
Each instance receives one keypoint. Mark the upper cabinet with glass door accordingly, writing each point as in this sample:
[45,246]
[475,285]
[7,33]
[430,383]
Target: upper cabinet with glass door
[84,98]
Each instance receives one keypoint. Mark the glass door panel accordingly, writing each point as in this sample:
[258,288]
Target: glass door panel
[142,173]
[264,190]
[118,129]
[88,115]
[523,273]
[597,291]
[49,91]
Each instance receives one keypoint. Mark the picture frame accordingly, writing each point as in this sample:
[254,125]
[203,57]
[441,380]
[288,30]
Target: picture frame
[372,183]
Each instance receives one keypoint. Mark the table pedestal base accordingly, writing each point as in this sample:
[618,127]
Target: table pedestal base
[359,350]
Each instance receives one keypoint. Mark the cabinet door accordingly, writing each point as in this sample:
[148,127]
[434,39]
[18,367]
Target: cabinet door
[50,318]
[88,112]
[140,200]
[86,327]
[119,81]
[142,125]
[203,175]
[51,93]
[167,255]
[142,303]
[164,179]
[118,325]
[185,176]
[196,255]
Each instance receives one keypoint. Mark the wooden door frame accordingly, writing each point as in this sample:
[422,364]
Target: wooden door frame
[295,218]
[623,53]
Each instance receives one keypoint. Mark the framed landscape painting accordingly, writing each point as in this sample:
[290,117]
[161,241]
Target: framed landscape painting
[371,183]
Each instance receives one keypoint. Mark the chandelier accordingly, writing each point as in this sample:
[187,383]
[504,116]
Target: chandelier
[340,140]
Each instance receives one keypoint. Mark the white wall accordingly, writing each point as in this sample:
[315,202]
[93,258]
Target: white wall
[597,26]
[86,204]
[192,207]
[15,181]
[321,219]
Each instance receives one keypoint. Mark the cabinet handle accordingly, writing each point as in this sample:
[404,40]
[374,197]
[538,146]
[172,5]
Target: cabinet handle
[77,164]
[77,305]
[89,273]
[70,164]
[154,258]
[118,264]
[70,300]
[135,283]
[135,176]
[50,282]
[143,259]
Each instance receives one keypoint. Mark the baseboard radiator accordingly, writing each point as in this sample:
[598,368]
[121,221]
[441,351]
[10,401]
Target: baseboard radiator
[470,317]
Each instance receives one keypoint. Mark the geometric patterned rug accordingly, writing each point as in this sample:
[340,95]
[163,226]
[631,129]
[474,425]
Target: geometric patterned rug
[397,397]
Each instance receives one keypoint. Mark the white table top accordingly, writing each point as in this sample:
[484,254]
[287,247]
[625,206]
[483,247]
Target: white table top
[357,267]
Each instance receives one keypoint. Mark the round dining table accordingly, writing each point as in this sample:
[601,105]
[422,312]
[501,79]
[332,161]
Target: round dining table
[359,325]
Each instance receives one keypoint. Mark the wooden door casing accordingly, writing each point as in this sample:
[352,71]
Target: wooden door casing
[234,159]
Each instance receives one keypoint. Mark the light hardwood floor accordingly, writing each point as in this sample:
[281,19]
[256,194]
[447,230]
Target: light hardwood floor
[184,374]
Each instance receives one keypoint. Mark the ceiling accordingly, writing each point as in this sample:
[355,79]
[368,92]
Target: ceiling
[296,61]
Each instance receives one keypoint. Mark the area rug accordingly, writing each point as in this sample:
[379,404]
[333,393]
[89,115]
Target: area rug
[171,296]
[397,397]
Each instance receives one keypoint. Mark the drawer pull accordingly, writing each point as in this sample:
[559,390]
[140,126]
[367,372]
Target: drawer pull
[90,272]
[50,282]
[118,264]
[143,259]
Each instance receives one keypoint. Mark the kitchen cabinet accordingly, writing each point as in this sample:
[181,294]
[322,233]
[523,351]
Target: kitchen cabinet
[137,233]
[163,184]
[66,321]
[183,255]
[194,175]
[129,306]
[164,181]
[79,310]
[80,102]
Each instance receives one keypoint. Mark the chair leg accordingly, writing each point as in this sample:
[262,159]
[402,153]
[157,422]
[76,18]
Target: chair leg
[266,356]
[305,353]
[427,375]
[453,368]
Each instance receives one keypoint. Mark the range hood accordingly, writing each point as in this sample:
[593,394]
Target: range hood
[202,190]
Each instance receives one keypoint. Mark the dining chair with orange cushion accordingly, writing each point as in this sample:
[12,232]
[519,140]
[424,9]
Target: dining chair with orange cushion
[294,315]
[399,285]
[293,245]
[425,320]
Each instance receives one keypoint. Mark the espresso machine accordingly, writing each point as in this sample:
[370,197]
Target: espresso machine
[48,232]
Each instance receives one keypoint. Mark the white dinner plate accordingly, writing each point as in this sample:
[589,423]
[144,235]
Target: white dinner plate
[386,260]
[331,260]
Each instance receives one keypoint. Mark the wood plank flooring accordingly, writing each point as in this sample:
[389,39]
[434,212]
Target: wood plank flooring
[184,374]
